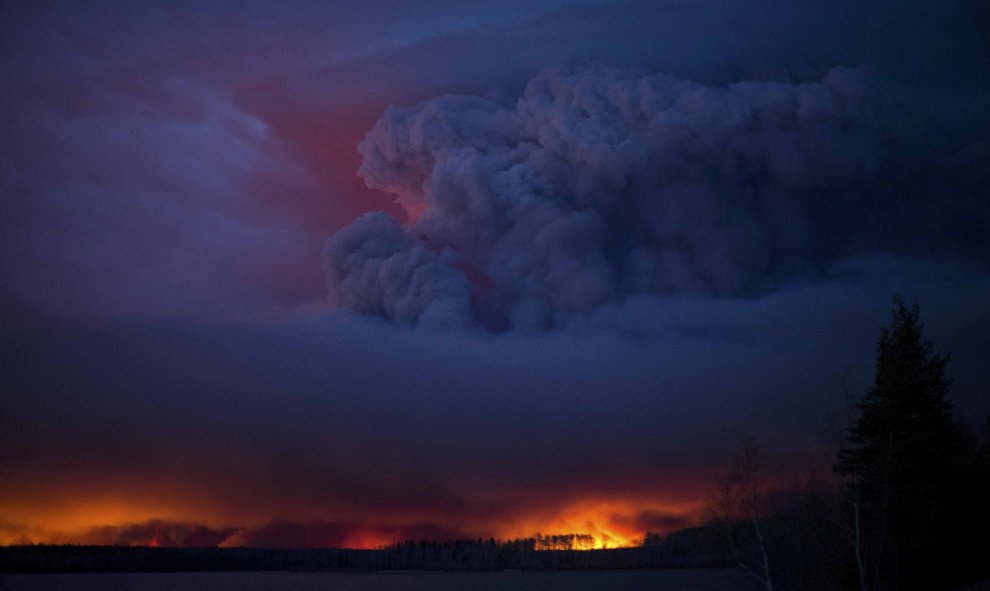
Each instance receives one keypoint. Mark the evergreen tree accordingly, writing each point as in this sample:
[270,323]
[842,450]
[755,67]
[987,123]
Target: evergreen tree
[908,463]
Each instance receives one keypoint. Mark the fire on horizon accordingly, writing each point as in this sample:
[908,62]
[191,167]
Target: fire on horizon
[321,274]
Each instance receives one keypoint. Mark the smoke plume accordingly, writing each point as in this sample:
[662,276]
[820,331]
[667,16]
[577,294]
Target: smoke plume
[601,184]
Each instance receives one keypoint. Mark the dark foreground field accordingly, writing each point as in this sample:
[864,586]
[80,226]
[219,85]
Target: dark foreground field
[629,580]
[682,550]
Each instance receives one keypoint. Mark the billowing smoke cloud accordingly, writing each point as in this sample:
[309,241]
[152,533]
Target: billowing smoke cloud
[601,184]
[380,269]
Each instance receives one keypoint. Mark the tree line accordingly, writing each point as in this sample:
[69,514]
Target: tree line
[449,555]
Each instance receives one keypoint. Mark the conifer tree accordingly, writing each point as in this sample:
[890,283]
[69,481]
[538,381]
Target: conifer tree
[906,460]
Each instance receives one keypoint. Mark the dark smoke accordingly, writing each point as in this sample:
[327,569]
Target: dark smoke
[601,184]
[155,533]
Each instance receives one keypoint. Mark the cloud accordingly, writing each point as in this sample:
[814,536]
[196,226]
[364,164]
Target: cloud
[148,197]
[159,146]
[381,270]
[600,184]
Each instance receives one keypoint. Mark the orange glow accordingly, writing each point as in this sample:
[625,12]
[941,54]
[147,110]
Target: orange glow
[156,538]
[369,541]
[611,522]
[71,521]
[599,519]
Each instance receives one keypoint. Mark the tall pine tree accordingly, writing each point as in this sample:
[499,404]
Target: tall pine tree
[907,458]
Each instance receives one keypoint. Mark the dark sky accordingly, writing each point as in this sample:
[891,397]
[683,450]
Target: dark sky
[339,273]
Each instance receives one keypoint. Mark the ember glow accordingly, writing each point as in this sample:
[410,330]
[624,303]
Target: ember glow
[602,524]
[320,274]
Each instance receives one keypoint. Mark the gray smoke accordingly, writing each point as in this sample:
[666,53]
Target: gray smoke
[378,268]
[600,184]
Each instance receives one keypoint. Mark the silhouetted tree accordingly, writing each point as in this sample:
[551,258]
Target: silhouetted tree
[908,462]
[740,501]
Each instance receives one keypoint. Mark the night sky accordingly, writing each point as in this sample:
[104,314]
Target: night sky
[347,273]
